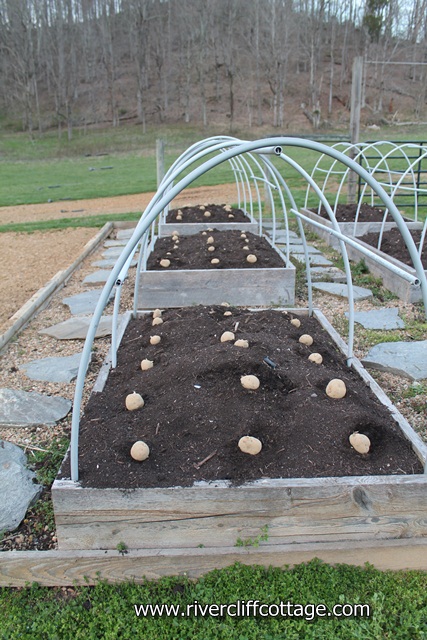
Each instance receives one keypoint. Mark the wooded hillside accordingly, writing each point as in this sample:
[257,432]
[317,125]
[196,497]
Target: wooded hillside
[68,63]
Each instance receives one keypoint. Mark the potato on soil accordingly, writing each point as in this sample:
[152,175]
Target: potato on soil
[360,442]
[227,336]
[336,389]
[306,339]
[134,401]
[140,451]
[249,444]
[250,382]
[146,364]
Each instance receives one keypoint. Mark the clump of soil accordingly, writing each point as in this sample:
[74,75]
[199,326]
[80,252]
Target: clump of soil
[192,252]
[197,214]
[196,408]
[347,213]
[393,245]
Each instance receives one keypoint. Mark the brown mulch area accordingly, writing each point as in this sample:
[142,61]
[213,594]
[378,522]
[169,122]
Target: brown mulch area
[393,245]
[192,252]
[196,408]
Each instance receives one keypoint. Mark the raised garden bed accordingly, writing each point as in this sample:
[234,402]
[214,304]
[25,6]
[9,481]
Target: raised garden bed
[191,277]
[394,250]
[197,488]
[369,220]
[194,219]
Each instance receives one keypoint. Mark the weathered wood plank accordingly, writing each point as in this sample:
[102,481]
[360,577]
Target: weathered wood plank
[391,281]
[347,228]
[239,287]
[63,568]
[295,510]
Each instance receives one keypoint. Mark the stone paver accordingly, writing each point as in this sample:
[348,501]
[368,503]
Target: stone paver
[76,328]
[104,264]
[321,274]
[408,359]
[124,234]
[114,252]
[299,249]
[27,408]
[84,303]
[17,488]
[115,243]
[341,290]
[54,369]
[97,277]
[314,260]
[382,319]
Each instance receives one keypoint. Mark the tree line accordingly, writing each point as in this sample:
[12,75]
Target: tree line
[80,62]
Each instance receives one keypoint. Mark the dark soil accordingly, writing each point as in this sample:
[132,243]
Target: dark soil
[393,245]
[191,252]
[347,213]
[196,409]
[197,214]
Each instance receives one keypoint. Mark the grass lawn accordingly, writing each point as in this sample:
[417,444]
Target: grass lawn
[397,602]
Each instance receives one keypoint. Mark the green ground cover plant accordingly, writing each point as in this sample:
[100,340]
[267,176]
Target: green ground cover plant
[397,601]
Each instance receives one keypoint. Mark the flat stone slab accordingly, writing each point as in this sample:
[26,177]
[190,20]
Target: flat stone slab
[124,234]
[113,252]
[320,274]
[298,248]
[382,319]
[313,259]
[59,369]
[84,303]
[97,277]
[28,409]
[282,236]
[76,328]
[115,243]
[341,290]
[408,359]
[17,488]
[104,264]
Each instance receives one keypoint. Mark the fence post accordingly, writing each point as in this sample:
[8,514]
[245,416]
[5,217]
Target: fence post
[356,100]
[160,160]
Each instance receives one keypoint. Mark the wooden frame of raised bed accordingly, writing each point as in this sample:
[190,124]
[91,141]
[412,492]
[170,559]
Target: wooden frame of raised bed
[392,281]
[239,287]
[215,515]
[347,228]
[191,228]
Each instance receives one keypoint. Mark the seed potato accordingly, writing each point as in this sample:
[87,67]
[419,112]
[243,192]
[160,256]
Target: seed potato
[360,442]
[140,451]
[336,389]
[250,382]
[146,364]
[227,336]
[249,444]
[134,401]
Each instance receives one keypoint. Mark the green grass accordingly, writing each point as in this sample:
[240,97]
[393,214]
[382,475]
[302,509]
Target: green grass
[398,602]
[66,223]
